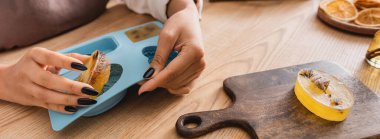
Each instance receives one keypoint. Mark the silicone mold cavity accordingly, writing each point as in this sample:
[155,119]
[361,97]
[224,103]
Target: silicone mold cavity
[150,51]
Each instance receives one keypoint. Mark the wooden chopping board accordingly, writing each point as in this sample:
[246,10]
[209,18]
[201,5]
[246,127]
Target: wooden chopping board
[265,106]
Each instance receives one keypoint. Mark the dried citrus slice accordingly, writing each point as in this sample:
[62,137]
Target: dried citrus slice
[323,94]
[98,71]
[364,4]
[369,17]
[339,9]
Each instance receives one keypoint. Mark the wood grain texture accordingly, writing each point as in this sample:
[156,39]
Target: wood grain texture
[239,37]
[265,106]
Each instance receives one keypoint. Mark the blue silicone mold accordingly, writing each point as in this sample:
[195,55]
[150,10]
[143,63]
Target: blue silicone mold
[133,57]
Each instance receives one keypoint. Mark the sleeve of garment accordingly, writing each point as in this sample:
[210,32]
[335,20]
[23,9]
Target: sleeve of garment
[156,8]
[199,4]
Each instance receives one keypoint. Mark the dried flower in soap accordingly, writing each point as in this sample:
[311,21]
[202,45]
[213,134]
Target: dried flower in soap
[317,79]
[320,82]
[306,73]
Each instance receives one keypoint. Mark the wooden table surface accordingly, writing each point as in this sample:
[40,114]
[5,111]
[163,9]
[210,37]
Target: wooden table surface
[239,37]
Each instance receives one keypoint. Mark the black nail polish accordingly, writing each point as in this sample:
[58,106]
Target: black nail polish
[78,66]
[149,72]
[86,101]
[70,109]
[89,91]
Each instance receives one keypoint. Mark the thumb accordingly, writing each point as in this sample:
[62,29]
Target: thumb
[165,46]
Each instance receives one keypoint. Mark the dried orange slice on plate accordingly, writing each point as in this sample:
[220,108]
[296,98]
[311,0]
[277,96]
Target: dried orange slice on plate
[369,17]
[364,4]
[339,9]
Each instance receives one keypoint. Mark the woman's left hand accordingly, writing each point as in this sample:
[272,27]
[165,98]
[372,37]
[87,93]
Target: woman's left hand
[181,33]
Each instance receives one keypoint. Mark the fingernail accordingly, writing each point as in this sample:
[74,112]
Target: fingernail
[78,66]
[86,101]
[149,73]
[70,109]
[89,91]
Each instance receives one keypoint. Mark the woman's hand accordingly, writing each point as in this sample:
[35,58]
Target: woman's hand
[33,81]
[182,33]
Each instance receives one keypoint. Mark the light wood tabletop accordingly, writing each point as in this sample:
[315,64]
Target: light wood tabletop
[239,38]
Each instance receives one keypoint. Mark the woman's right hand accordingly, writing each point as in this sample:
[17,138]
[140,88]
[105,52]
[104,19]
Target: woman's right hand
[33,81]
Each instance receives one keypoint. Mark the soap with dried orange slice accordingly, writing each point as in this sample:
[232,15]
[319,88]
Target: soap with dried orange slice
[323,94]
[98,71]
[343,10]
[369,17]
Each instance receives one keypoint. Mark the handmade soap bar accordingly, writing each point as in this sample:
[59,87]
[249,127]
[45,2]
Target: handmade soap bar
[98,71]
[323,94]
[144,32]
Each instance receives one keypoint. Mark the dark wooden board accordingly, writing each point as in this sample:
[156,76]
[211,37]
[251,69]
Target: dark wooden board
[346,26]
[265,106]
